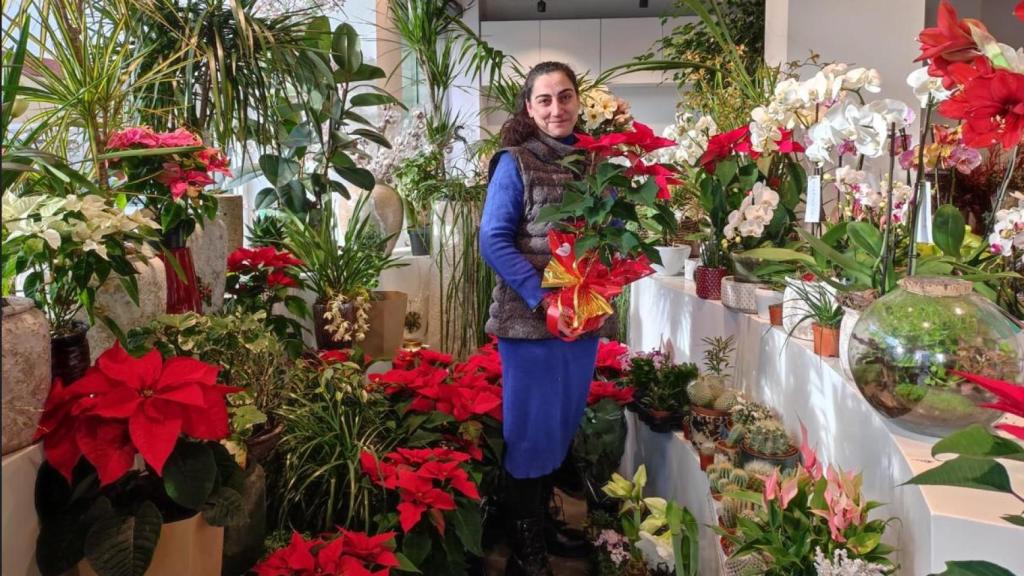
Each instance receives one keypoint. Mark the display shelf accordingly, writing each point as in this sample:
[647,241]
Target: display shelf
[936,523]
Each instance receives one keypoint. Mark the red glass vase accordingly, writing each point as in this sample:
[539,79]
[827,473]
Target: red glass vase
[709,282]
[182,293]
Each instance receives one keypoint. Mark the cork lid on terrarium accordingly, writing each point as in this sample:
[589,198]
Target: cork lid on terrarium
[936,286]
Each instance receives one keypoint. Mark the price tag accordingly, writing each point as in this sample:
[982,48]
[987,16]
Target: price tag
[812,213]
[923,234]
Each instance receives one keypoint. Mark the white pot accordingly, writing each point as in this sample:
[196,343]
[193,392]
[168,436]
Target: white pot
[114,302]
[690,268]
[850,318]
[739,296]
[672,260]
[765,297]
[25,371]
[794,309]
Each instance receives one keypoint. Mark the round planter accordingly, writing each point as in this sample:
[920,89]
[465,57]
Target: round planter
[850,317]
[794,309]
[826,340]
[209,244]
[112,301]
[26,371]
[744,268]
[324,340]
[385,207]
[69,354]
[730,453]
[690,268]
[739,296]
[243,544]
[764,298]
[261,445]
[786,461]
[708,422]
[673,258]
[419,240]
[709,282]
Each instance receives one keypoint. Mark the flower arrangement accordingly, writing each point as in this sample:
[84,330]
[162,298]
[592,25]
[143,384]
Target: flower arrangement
[603,112]
[347,552]
[67,246]
[168,172]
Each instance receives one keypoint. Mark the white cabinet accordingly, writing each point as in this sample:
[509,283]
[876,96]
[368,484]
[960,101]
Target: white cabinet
[623,39]
[518,38]
[575,42]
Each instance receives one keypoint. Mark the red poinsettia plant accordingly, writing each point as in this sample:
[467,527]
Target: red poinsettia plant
[612,357]
[604,389]
[347,553]
[616,177]
[168,172]
[170,412]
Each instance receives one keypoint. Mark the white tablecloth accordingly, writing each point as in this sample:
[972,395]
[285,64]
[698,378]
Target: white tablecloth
[936,523]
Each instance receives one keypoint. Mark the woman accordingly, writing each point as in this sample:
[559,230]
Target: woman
[545,379]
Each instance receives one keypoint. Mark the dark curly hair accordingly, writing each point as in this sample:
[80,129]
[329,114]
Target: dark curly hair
[520,127]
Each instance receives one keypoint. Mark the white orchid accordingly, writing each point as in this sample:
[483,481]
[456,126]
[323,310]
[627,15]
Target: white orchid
[1008,231]
[754,214]
[691,134]
[762,194]
[925,85]
[867,78]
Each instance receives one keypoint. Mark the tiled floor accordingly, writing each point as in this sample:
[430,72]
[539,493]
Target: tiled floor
[575,514]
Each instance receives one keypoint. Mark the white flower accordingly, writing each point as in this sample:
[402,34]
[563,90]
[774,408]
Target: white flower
[761,193]
[657,550]
[867,78]
[592,118]
[691,135]
[841,565]
[1008,231]
[924,84]
[893,111]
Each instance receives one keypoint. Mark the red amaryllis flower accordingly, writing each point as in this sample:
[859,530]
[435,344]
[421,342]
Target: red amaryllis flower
[610,357]
[1010,399]
[949,41]
[601,389]
[992,107]
[721,146]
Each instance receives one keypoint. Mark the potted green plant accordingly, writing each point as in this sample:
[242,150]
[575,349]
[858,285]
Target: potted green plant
[768,440]
[708,276]
[661,386]
[710,398]
[342,276]
[419,181]
[672,250]
[825,314]
[745,413]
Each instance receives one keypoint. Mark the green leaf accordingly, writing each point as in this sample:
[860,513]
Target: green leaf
[967,472]
[780,255]
[371,99]
[405,565]
[373,136]
[225,507]
[468,526]
[864,542]
[124,545]
[297,306]
[416,546]
[865,236]
[345,48]
[1015,519]
[975,440]
[948,230]
[278,170]
[361,177]
[190,474]
[973,568]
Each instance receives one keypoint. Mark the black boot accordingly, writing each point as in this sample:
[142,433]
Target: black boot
[526,509]
[561,540]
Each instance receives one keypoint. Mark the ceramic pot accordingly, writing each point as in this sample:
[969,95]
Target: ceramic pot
[387,213]
[744,267]
[786,461]
[419,240]
[209,246]
[826,340]
[739,296]
[26,371]
[387,324]
[231,211]
[710,423]
[189,546]
[69,354]
[673,258]
[709,282]
[182,291]
[324,340]
[113,302]
[690,268]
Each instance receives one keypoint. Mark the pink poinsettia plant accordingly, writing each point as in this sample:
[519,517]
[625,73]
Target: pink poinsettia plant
[347,553]
[167,173]
[811,507]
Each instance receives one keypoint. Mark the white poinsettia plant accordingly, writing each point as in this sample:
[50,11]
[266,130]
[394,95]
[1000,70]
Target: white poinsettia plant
[58,250]
[748,223]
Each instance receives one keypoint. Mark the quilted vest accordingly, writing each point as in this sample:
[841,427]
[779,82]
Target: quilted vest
[543,178]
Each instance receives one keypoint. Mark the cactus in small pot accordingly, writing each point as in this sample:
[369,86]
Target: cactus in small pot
[739,478]
[757,471]
[769,438]
[726,401]
[745,413]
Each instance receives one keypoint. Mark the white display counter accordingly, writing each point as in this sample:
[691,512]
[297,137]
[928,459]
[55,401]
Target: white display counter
[936,524]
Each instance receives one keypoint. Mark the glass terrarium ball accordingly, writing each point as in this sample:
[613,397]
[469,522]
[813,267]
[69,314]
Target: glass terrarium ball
[906,344]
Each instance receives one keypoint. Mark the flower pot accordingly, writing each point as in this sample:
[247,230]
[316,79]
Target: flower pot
[744,267]
[261,445]
[794,310]
[690,268]
[69,354]
[730,453]
[182,291]
[705,460]
[673,258]
[850,317]
[787,461]
[685,427]
[230,211]
[324,339]
[775,314]
[419,240]
[189,546]
[243,544]
[826,340]
[709,282]
[710,423]
[386,213]
[739,296]
[113,302]
[764,298]
[209,246]
[26,371]
[387,324]
[660,421]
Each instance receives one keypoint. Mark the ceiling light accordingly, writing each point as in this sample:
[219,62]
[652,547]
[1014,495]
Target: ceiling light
[542,6]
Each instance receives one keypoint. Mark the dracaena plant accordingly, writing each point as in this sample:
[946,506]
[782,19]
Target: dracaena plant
[92,501]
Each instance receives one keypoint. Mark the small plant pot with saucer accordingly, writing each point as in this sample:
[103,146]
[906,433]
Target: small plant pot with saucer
[673,259]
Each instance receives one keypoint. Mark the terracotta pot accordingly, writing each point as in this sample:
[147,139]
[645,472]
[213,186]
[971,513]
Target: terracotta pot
[660,421]
[710,423]
[785,461]
[729,452]
[765,297]
[189,546]
[775,314]
[706,460]
[26,371]
[69,354]
[709,282]
[687,432]
[826,340]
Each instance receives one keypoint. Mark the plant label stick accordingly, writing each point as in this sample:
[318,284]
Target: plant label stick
[812,212]
[923,233]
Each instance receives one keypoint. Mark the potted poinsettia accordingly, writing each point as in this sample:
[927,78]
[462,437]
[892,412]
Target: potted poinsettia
[100,511]
[601,438]
[347,552]
[260,278]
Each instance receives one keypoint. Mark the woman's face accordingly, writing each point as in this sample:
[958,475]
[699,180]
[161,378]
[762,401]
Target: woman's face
[554,104]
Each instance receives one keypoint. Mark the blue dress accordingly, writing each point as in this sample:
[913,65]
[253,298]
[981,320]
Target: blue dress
[545,382]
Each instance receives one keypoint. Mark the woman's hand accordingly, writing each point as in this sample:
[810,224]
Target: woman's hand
[565,323]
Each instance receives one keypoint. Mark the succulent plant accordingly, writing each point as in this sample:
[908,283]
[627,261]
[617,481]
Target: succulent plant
[700,393]
[768,437]
[756,472]
[747,565]
[727,400]
[723,485]
[736,435]
[734,508]
[739,478]
[746,413]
